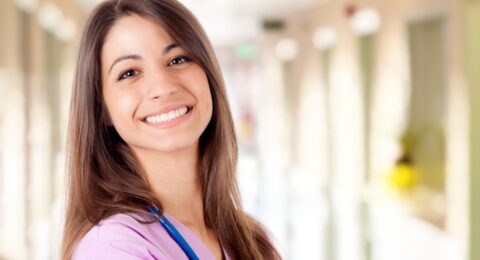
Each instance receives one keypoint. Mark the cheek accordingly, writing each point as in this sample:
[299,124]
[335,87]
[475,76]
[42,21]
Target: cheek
[208,104]
[205,98]
[203,93]
[122,106]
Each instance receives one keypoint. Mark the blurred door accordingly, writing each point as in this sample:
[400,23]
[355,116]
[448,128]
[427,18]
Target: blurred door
[367,50]
[329,231]
[425,136]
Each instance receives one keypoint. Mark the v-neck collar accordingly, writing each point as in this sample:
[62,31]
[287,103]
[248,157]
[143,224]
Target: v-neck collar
[193,240]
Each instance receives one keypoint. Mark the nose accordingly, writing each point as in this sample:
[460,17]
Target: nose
[161,86]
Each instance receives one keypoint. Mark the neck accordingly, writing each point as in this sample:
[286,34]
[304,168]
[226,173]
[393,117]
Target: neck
[174,178]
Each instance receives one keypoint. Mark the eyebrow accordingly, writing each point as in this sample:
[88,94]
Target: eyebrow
[138,57]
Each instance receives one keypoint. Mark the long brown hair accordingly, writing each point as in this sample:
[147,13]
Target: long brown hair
[104,177]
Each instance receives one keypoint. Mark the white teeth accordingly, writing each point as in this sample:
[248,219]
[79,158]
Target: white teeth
[165,117]
[171,115]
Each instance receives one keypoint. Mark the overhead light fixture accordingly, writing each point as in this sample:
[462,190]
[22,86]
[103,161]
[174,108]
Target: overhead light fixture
[27,5]
[52,20]
[365,21]
[324,38]
[286,49]
[49,16]
[66,31]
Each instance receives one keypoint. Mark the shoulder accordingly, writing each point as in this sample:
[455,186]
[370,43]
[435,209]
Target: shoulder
[121,236]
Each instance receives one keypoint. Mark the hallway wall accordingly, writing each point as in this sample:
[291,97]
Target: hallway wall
[320,110]
[36,64]
[364,205]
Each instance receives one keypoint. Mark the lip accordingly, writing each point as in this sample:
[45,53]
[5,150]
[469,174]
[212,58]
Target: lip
[173,122]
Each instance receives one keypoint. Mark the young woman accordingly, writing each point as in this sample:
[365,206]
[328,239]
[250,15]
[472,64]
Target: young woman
[152,150]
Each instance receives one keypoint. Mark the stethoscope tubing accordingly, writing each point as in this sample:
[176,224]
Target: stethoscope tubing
[175,235]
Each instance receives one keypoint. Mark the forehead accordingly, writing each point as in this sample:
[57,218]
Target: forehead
[134,33]
[136,24]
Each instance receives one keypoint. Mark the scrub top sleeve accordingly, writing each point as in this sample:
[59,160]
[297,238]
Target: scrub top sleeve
[119,250]
[119,241]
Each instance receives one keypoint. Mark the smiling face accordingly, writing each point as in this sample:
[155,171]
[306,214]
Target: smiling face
[158,99]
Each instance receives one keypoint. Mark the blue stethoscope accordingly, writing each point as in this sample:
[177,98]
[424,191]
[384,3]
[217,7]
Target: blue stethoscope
[175,235]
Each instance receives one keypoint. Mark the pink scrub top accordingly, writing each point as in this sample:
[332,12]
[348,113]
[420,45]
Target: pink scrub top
[122,237]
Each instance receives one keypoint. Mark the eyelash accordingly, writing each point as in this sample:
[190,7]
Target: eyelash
[183,59]
[175,61]
[125,76]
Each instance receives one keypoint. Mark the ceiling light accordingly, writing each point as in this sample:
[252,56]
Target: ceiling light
[324,38]
[50,16]
[286,49]
[365,21]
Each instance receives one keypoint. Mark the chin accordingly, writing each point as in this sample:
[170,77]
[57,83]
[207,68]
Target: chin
[175,145]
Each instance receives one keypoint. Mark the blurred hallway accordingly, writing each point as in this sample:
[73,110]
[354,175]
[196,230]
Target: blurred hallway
[357,122]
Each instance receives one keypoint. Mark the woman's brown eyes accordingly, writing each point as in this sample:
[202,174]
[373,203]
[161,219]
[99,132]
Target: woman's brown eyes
[127,74]
[179,60]
[175,61]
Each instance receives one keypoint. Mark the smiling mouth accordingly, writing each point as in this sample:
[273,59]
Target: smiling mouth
[168,116]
